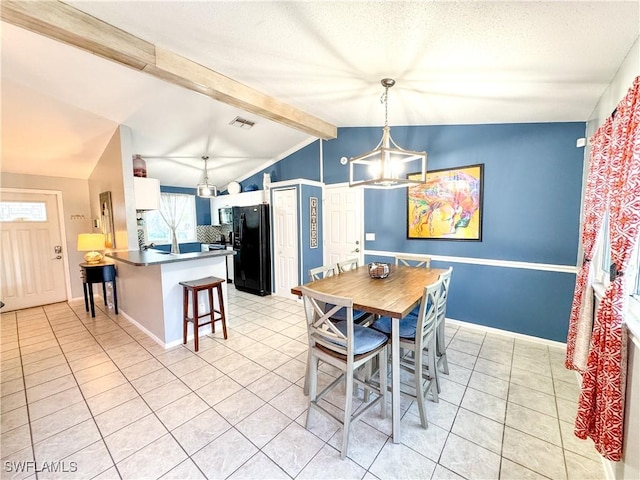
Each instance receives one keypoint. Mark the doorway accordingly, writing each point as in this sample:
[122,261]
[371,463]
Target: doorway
[31,249]
[285,241]
[343,221]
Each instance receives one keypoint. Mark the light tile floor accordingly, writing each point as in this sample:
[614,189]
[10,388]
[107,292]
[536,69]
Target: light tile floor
[96,398]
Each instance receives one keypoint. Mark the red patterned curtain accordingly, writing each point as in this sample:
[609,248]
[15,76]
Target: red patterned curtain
[595,202]
[601,404]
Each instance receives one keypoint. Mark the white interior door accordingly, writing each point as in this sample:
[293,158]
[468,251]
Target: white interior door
[344,214]
[31,250]
[285,228]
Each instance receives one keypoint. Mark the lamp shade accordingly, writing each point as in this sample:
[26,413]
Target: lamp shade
[90,242]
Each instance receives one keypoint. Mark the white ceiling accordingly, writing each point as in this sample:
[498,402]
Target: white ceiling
[454,63]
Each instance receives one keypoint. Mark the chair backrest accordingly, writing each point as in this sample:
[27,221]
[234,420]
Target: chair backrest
[428,316]
[322,272]
[442,301]
[413,260]
[347,265]
[320,328]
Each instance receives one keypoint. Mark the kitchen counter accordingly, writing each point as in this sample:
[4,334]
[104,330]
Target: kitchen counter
[158,257]
[149,291]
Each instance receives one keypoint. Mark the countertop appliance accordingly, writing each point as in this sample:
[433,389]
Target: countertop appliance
[225,215]
[252,262]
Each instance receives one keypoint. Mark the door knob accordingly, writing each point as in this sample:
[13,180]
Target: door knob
[355,251]
[57,257]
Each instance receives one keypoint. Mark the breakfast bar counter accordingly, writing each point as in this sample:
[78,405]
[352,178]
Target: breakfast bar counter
[149,294]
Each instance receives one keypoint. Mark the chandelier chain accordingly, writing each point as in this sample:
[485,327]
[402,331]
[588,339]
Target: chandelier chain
[383,99]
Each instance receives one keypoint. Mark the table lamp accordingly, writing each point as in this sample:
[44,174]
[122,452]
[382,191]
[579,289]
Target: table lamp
[90,242]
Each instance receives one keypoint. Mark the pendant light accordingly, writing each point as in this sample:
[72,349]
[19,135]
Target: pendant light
[206,189]
[383,167]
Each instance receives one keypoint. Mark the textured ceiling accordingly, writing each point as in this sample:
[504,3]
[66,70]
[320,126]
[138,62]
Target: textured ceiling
[454,63]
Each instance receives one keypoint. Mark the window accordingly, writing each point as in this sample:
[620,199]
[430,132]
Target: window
[23,212]
[178,206]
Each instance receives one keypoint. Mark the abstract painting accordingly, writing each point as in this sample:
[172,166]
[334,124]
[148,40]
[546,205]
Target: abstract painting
[448,206]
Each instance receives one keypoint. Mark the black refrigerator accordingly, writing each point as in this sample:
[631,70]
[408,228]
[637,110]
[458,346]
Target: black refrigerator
[252,261]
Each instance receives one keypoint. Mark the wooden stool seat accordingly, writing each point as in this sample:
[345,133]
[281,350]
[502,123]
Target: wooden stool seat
[195,286]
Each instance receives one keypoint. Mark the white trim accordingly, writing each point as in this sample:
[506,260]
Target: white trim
[506,333]
[276,159]
[489,262]
[609,469]
[61,226]
[207,330]
[295,182]
[337,185]
[633,323]
[321,160]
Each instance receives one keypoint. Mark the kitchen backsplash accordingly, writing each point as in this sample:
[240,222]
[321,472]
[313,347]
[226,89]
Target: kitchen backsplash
[212,233]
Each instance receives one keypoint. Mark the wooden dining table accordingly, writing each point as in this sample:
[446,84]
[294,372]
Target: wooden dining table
[394,296]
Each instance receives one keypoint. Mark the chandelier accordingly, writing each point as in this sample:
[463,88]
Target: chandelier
[383,166]
[206,189]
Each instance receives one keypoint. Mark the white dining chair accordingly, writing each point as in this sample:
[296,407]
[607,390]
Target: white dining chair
[347,265]
[411,260]
[346,346]
[323,271]
[441,343]
[418,335]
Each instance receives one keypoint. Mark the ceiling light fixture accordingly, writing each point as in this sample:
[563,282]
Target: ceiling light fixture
[206,189]
[382,166]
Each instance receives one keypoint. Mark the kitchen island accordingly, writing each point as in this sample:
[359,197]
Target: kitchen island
[149,293]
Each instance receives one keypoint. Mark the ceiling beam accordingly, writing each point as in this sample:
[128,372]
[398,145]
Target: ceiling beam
[67,24]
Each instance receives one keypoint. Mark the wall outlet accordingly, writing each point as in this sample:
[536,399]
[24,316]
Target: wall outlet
[370,237]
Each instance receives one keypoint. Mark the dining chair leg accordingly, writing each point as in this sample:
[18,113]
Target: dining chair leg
[305,389]
[433,371]
[382,367]
[420,393]
[311,382]
[347,413]
[442,349]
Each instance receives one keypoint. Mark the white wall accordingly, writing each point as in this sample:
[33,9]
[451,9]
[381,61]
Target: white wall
[114,173]
[629,467]
[76,213]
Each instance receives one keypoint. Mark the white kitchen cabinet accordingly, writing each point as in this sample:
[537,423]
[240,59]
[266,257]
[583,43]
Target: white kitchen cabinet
[147,193]
[243,199]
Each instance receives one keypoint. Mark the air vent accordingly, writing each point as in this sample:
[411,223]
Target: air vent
[242,123]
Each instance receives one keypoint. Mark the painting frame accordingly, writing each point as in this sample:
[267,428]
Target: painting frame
[106,220]
[448,206]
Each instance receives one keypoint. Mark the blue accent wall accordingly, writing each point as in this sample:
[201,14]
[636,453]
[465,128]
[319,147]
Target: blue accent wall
[304,163]
[531,213]
[312,257]
[309,257]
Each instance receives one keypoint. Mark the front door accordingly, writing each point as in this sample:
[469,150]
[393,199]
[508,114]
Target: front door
[343,224]
[31,250]
[285,239]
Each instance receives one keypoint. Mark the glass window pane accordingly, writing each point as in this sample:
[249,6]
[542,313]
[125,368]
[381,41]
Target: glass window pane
[174,205]
[23,212]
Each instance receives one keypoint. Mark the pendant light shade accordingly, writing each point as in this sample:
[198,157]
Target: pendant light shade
[206,189]
[386,165]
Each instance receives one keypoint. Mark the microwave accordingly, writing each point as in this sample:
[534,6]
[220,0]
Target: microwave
[225,215]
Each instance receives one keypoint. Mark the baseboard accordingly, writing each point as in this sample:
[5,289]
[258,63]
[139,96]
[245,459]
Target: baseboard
[203,331]
[506,333]
[608,467]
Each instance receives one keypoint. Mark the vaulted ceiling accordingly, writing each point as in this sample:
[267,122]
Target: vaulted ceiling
[454,63]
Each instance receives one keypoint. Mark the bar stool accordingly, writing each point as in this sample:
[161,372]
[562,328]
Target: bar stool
[195,286]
